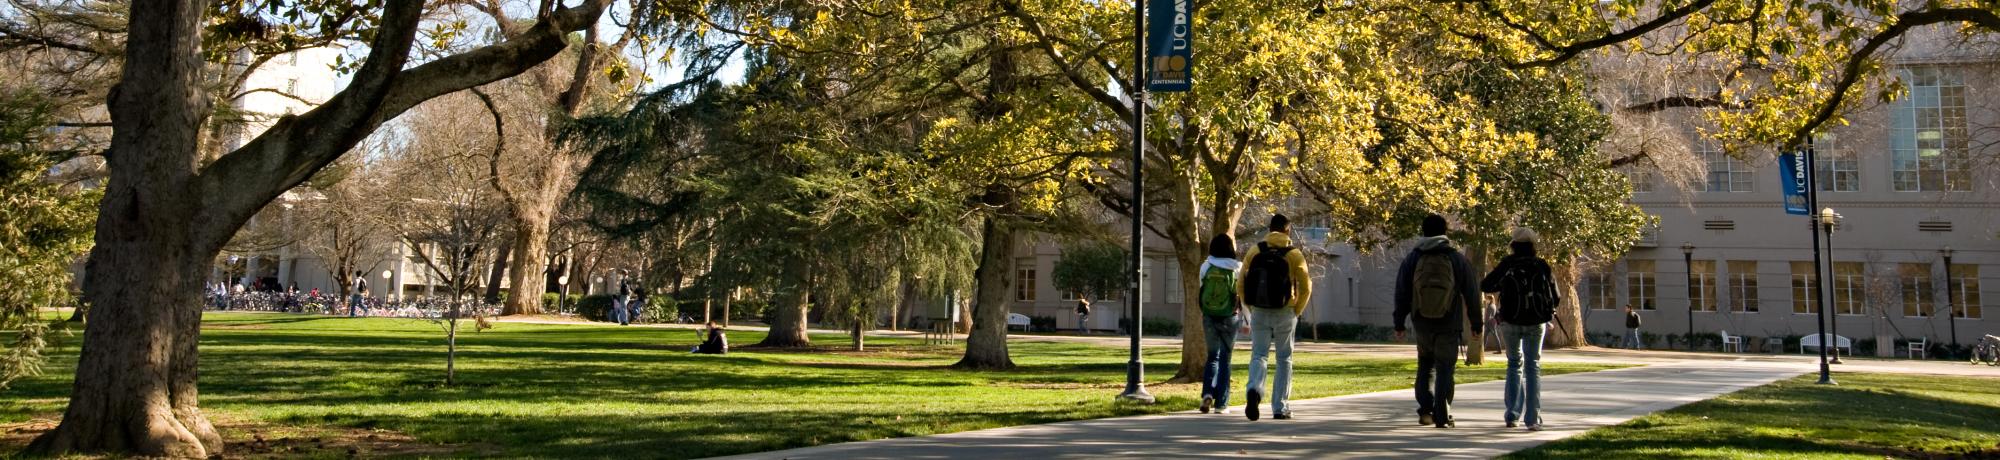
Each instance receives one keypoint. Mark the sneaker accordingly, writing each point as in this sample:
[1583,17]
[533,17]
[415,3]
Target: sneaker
[1284,416]
[1447,422]
[1510,423]
[1250,410]
[1535,427]
[1207,402]
[1424,420]
[1224,411]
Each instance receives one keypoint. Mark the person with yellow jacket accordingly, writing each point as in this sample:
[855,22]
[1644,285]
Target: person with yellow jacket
[1277,287]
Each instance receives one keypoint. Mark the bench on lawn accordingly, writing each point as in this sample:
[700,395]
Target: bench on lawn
[1817,340]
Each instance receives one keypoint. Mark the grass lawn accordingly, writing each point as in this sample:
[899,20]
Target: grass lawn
[1867,416]
[284,385]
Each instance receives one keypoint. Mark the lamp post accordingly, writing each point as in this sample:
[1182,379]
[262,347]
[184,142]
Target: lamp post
[1950,307]
[1827,220]
[1819,301]
[386,275]
[1687,260]
[1135,369]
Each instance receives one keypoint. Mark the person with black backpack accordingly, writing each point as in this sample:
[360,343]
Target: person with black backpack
[1277,286]
[1436,292]
[1221,315]
[1528,301]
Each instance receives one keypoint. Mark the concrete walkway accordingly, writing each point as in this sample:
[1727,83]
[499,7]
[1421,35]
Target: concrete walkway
[1372,425]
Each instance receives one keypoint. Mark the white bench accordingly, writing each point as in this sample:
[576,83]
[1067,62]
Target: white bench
[1816,341]
[1019,320]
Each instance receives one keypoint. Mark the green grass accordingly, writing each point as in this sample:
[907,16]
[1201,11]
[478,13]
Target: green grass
[603,391]
[1867,416]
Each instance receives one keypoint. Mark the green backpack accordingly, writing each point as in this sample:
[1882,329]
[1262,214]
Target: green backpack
[1436,288]
[1218,292]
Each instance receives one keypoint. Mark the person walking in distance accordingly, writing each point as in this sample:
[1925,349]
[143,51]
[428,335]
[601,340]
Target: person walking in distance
[1082,315]
[1632,329]
[1221,315]
[1436,291]
[1528,302]
[1277,285]
[359,293]
[623,300]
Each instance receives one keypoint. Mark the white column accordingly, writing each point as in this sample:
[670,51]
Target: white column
[285,266]
[401,264]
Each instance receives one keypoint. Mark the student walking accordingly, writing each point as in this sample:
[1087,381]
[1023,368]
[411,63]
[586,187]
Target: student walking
[623,300]
[1221,316]
[1632,329]
[1436,292]
[1082,315]
[360,292]
[1277,285]
[1528,302]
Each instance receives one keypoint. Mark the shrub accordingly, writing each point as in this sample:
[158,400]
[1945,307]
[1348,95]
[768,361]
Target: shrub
[1042,324]
[1154,326]
[595,308]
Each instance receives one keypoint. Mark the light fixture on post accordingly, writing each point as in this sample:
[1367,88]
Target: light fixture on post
[1687,259]
[1950,307]
[1827,220]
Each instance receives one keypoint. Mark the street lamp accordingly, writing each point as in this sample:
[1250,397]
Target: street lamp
[1811,190]
[1827,220]
[1135,369]
[386,276]
[1950,307]
[1687,260]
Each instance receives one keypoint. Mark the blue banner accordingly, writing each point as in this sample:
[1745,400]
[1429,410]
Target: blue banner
[1797,175]
[1170,66]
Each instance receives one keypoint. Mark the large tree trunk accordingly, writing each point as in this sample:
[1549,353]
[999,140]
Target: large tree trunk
[986,348]
[135,382]
[531,247]
[499,273]
[1569,314]
[788,323]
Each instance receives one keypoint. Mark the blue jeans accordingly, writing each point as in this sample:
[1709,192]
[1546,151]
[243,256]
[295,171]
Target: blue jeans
[1632,339]
[1524,353]
[1221,334]
[353,303]
[618,312]
[1266,325]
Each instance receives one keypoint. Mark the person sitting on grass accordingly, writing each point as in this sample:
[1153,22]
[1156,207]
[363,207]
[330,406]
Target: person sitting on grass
[716,344]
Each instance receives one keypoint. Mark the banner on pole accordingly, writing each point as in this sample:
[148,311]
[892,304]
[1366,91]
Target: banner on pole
[1797,175]
[1170,65]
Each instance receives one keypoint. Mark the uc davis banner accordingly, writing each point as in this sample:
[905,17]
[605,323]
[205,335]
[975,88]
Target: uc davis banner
[1171,60]
[1797,175]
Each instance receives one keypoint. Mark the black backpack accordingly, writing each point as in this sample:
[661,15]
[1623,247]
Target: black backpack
[1533,295]
[1268,283]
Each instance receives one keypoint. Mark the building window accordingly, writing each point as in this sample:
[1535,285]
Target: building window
[1174,289]
[1599,292]
[1640,283]
[1701,294]
[1743,286]
[1963,284]
[1835,169]
[1928,140]
[292,87]
[1918,300]
[1725,173]
[1805,288]
[1024,280]
[1642,180]
[1849,288]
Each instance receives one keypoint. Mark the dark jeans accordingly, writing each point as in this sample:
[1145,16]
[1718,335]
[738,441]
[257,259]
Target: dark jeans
[1437,356]
[1221,335]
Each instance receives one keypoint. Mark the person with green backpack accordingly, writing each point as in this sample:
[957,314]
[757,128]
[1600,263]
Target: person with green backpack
[1220,317]
[1436,291]
[1276,286]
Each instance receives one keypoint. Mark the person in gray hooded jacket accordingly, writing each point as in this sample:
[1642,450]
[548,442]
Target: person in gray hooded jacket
[1436,291]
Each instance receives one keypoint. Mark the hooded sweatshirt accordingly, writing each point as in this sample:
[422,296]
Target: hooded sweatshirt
[1522,259]
[1302,287]
[1233,265]
[1464,280]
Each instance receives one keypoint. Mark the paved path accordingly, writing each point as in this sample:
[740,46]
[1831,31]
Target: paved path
[1372,425]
